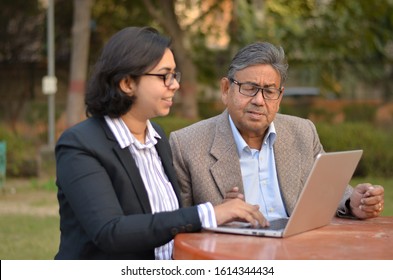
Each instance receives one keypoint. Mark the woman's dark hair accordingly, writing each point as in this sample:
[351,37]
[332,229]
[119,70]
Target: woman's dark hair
[131,52]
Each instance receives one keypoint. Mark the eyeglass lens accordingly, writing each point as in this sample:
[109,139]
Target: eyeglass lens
[170,77]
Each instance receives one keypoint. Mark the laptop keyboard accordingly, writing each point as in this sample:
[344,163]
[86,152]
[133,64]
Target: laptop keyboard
[278,224]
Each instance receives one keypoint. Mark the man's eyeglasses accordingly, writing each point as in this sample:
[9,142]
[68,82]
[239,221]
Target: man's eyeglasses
[168,78]
[249,89]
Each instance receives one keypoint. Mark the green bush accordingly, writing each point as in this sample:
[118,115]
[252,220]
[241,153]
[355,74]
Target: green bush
[171,123]
[210,109]
[360,112]
[21,154]
[376,144]
[296,109]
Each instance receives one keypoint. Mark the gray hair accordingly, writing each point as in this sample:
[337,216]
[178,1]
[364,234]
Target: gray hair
[260,53]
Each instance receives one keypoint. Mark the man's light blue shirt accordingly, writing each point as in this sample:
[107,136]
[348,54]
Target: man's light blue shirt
[259,174]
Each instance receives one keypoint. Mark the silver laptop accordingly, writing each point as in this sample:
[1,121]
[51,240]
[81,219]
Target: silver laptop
[318,201]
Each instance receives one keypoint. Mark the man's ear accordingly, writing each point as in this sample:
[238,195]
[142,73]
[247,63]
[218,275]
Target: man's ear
[224,86]
[127,85]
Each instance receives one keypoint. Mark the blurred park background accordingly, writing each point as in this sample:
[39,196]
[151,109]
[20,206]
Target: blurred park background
[340,56]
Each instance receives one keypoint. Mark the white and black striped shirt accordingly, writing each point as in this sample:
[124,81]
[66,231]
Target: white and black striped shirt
[159,189]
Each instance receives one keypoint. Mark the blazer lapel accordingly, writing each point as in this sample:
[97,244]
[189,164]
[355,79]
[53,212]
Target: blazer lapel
[132,170]
[226,171]
[288,165]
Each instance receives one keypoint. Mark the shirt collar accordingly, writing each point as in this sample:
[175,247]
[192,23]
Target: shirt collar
[241,145]
[124,136]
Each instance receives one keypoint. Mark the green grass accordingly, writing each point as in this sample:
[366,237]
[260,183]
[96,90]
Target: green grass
[29,225]
[24,237]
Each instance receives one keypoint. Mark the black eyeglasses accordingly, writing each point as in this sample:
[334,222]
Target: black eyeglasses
[250,90]
[168,78]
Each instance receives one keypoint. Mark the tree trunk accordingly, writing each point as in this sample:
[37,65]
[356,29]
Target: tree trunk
[166,16]
[79,61]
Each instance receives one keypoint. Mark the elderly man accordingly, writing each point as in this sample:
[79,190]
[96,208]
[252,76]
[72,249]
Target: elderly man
[252,152]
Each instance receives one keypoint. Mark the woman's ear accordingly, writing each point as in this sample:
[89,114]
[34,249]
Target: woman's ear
[127,85]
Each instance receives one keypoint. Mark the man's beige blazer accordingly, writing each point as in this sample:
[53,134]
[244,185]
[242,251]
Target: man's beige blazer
[207,163]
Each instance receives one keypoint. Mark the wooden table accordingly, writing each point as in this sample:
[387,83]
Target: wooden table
[343,239]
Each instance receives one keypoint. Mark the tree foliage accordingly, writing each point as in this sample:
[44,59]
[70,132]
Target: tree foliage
[338,40]
[21,30]
[343,47]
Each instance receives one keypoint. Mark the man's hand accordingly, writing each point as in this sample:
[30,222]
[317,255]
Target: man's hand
[367,201]
[233,193]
